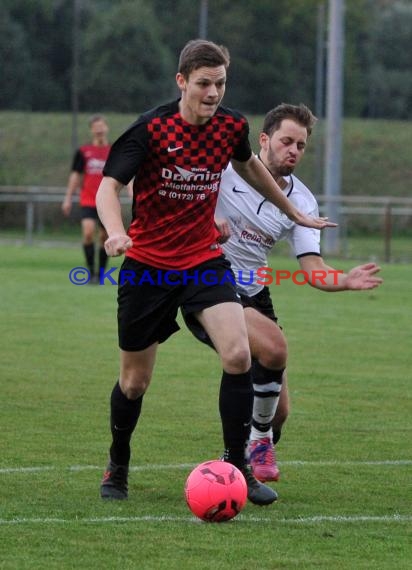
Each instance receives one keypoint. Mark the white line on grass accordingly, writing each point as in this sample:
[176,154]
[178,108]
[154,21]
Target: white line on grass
[388,462]
[171,466]
[241,518]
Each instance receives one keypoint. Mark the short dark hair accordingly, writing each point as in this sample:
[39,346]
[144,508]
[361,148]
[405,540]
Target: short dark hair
[301,114]
[202,53]
[95,118]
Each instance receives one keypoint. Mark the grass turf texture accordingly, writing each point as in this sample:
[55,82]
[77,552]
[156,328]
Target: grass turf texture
[341,506]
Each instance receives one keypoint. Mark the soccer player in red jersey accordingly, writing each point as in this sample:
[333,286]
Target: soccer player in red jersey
[176,154]
[86,174]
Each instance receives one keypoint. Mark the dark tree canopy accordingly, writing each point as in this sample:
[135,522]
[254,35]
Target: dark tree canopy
[128,53]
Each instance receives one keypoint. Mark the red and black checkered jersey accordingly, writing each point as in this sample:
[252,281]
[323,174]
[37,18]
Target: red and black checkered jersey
[177,168]
[89,160]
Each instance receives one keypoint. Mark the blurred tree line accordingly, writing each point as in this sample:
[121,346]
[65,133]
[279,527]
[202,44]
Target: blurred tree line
[128,51]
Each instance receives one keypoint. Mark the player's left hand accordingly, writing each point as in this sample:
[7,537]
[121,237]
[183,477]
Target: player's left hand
[310,222]
[363,277]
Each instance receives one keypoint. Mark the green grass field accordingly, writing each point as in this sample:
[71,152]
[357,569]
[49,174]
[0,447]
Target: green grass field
[360,248]
[346,458]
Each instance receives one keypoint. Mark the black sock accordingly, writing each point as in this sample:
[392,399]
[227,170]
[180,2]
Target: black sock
[123,420]
[89,254]
[276,435]
[235,405]
[102,259]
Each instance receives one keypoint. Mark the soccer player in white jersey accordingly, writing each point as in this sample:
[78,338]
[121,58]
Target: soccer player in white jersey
[252,226]
[255,226]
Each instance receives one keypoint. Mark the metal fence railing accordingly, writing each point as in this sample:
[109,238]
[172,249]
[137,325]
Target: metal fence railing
[33,198]
[387,211]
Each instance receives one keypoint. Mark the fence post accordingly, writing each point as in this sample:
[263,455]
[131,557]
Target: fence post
[387,231]
[29,221]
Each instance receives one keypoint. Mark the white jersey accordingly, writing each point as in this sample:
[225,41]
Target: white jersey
[256,225]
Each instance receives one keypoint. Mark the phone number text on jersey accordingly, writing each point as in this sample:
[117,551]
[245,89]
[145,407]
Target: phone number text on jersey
[173,195]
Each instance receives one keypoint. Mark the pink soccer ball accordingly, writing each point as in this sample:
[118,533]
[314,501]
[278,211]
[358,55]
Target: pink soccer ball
[216,491]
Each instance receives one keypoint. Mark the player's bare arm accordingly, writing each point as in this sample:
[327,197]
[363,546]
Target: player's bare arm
[75,182]
[109,210]
[327,278]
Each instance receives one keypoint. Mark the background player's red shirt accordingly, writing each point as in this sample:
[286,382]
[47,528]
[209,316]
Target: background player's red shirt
[89,160]
[177,168]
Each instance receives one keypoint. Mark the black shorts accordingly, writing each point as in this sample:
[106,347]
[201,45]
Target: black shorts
[149,298]
[262,302]
[89,213]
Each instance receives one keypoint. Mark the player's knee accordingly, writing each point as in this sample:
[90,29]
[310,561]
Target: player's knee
[273,354]
[88,233]
[134,384]
[236,359]
[102,237]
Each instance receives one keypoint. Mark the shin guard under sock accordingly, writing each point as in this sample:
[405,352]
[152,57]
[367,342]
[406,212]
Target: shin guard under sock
[267,384]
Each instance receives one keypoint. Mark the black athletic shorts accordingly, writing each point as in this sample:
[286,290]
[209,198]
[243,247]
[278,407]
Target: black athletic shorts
[149,298]
[262,302]
[87,212]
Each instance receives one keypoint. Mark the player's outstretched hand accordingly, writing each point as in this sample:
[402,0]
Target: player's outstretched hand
[363,277]
[117,245]
[223,228]
[310,222]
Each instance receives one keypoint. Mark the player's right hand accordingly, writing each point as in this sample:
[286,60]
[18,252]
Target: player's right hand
[67,207]
[117,245]
[223,227]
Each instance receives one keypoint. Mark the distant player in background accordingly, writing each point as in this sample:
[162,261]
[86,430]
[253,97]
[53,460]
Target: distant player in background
[252,226]
[86,175]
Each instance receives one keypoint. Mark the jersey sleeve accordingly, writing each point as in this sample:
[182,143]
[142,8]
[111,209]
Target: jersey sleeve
[127,153]
[305,241]
[78,162]
[242,151]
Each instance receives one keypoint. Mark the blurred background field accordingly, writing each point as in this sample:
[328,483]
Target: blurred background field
[63,60]
[376,164]
[36,150]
